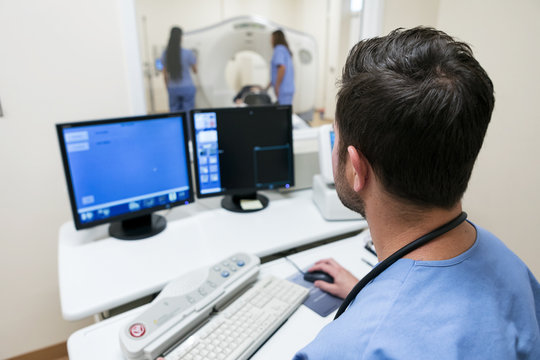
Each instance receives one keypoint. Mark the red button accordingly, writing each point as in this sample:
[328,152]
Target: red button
[137,330]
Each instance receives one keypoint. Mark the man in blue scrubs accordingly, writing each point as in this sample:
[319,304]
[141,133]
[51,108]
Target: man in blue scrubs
[412,111]
[282,70]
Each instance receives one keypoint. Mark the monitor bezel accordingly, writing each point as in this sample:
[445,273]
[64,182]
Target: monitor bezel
[146,211]
[237,191]
[325,152]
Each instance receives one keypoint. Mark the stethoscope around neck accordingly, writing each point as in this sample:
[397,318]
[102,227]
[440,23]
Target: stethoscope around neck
[396,256]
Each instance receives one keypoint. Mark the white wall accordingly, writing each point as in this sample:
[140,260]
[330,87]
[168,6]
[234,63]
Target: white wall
[62,60]
[502,194]
[409,13]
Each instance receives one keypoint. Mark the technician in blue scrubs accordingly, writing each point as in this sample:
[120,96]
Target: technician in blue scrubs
[282,70]
[412,112]
[176,65]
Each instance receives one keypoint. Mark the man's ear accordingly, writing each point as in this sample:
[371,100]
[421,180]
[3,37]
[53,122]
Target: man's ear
[360,166]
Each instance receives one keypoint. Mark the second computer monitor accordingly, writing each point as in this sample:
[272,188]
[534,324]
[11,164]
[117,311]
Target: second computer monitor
[242,150]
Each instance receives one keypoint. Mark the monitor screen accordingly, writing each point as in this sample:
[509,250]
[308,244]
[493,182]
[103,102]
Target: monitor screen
[242,150]
[125,169]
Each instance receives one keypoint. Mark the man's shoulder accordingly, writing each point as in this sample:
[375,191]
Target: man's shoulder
[493,249]
[472,299]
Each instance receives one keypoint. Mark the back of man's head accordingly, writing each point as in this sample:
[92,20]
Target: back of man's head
[417,105]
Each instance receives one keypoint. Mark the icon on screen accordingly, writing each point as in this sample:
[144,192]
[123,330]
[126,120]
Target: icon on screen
[103,213]
[149,202]
[134,205]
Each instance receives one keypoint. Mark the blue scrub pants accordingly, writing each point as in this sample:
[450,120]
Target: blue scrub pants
[181,98]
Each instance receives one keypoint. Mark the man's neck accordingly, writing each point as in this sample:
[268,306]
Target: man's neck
[392,227]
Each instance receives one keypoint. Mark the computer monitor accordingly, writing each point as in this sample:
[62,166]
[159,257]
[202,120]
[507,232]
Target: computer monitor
[240,151]
[121,171]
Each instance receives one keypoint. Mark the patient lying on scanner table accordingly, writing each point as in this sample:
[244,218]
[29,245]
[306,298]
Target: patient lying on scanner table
[252,95]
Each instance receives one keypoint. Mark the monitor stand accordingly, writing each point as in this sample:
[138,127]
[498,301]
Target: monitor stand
[138,228]
[232,202]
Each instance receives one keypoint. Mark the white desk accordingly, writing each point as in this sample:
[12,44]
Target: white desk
[100,341]
[98,273]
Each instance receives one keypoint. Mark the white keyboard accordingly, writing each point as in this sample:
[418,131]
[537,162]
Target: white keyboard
[184,304]
[243,326]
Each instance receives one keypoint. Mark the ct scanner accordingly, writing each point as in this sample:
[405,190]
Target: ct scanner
[217,44]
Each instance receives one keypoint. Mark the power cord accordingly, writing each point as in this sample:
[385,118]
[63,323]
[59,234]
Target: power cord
[294,264]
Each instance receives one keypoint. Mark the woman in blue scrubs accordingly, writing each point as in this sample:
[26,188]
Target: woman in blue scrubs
[282,70]
[176,64]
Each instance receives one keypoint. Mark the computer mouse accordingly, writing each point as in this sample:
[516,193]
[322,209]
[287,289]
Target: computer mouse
[318,275]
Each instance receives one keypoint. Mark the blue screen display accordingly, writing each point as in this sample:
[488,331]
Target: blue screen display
[207,152]
[122,167]
[332,139]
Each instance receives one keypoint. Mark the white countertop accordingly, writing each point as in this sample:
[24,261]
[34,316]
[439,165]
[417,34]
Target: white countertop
[98,273]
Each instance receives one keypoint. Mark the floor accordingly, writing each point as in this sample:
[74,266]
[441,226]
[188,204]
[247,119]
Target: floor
[54,352]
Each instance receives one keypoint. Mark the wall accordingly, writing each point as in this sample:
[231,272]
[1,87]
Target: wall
[62,60]
[410,13]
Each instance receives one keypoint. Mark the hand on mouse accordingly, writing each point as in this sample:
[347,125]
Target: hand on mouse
[344,281]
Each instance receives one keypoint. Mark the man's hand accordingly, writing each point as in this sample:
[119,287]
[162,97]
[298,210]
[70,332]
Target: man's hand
[344,281]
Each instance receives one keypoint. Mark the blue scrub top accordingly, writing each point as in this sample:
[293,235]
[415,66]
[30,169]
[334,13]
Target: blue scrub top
[188,59]
[282,56]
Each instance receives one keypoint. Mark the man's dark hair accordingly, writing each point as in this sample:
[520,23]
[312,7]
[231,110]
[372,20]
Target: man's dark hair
[417,105]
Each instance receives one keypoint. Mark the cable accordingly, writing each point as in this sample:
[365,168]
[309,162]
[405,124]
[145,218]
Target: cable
[293,264]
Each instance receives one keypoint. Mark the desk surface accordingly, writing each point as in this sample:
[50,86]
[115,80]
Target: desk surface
[98,273]
[100,341]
